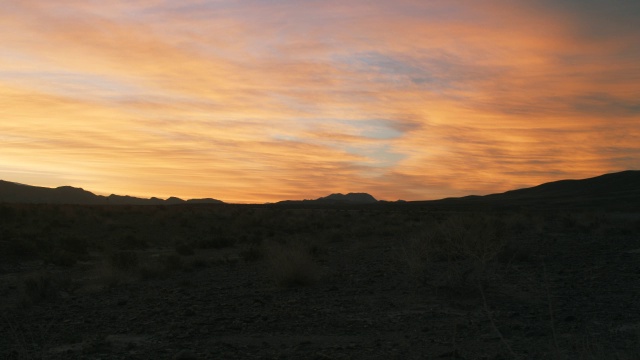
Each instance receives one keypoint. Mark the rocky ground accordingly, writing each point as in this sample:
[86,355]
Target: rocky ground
[564,292]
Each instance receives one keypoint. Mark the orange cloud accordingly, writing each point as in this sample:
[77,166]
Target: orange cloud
[258,101]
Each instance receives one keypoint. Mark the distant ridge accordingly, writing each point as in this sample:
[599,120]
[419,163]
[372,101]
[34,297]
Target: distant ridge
[11,192]
[625,183]
[620,191]
[335,199]
[615,191]
[350,198]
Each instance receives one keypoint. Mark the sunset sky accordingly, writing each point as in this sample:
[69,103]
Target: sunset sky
[266,100]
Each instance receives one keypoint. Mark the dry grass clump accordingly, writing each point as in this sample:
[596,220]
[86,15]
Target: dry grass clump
[161,265]
[42,286]
[291,265]
[62,258]
[455,252]
[215,242]
[27,341]
[478,238]
[126,266]
[252,253]
[110,277]
[130,242]
[170,263]
[127,261]
[184,249]
[18,248]
[39,287]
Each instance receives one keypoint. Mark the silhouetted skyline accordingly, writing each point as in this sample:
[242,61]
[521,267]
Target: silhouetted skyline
[619,191]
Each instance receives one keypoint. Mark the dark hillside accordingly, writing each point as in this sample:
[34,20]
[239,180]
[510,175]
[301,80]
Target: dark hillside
[616,191]
[622,184]
[25,194]
[350,198]
[17,193]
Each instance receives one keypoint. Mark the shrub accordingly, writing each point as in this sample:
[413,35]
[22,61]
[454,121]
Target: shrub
[40,287]
[184,249]
[171,262]
[215,242]
[519,249]
[466,237]
[20,248]
[124,260]
[291,265]
[131,242]
[73,244]
[198,263]
[62,258]
[164,264]
[110,276]
[252,253]
[7,214]
[456,252]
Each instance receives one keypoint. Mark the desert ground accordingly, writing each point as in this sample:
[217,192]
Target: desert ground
[354,282]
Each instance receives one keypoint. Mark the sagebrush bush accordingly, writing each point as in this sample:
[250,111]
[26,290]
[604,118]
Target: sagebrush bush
[19,249]
[184,249]
[291,265]
[62,258]
[215,242]
[131,242]
[39,287]
[73,244]
[124,260]
[252,253]
[198,263]
[456,251]
[466,237]
[171,262]
[44,286]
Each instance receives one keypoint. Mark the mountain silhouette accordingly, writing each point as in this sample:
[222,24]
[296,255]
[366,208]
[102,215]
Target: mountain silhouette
[620,191]
[335,199]
[11,192]
[350,198]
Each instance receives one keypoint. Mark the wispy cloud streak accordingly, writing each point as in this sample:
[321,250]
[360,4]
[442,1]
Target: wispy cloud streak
[258,101]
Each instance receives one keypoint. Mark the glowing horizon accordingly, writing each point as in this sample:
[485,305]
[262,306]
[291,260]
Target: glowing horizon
[252,101]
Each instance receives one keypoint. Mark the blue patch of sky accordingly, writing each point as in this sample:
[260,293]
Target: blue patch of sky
[375,129]
[378,155]
[380,129]
[437,73]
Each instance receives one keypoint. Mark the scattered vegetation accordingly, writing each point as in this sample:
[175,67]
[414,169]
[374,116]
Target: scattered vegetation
[252,253]
[465,245]
[463,253]
[291,265]
[43,286]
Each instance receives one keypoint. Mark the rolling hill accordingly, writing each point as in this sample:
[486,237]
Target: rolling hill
[619,190]
[11,192]
[615,191]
